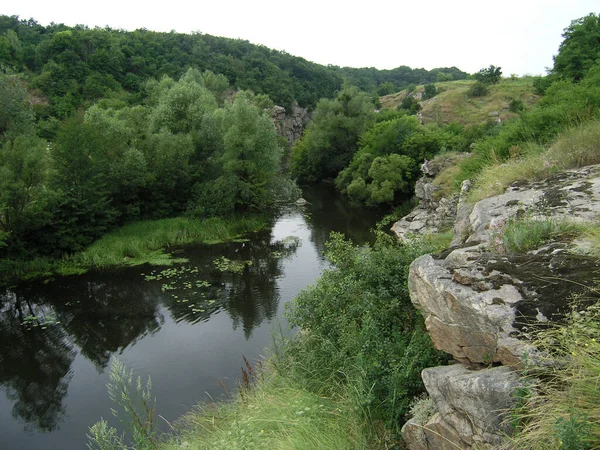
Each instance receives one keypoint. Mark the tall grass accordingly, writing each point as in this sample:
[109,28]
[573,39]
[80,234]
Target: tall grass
[138,243]
[522,235]
[276,413]
[575,147]
[562,409]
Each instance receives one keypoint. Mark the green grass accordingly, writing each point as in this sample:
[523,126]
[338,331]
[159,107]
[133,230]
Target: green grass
[560,405]
[275,413]
[452,104]
[576,147]
[522,235]
[142,242]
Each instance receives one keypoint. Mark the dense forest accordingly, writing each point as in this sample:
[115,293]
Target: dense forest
[102,127]
[77,64]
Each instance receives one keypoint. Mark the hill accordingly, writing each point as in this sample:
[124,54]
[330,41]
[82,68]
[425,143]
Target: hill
[73,65]
[453,105]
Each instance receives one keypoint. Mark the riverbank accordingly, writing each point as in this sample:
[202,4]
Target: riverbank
[346,381]
[144,242]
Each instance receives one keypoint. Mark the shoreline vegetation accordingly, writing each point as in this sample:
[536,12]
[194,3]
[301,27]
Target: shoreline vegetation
[345,381]
[143,242]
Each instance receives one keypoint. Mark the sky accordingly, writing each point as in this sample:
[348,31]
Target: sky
[521,36]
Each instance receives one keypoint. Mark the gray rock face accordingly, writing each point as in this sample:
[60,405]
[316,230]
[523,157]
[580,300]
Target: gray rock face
[290,125]
[481,307]
[433,214]
[472,406]
[484,307]
[573,194]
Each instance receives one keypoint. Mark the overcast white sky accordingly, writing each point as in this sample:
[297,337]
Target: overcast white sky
[521,36]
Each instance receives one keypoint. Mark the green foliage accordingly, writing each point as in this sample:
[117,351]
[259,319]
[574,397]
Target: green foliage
[410,104]
[386,88]
[16,116]
[331,139]
[580,49]
[522,235]
[443,76]
[564,413]
[24,170]
[359,328]
[429,91]
[490,75]
[479,89]
[516,106]
[137,412]
[387,162]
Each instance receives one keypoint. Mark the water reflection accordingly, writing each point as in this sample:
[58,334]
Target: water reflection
[44,325]
[35,359]
[328,209]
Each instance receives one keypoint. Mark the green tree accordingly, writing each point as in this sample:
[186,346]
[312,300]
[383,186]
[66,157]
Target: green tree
[331,139]
[16,116]
[24,170]
[580,48]
[429,91]
[248,163]
[490,75]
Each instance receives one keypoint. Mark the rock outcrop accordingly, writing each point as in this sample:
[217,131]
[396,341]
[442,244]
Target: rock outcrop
[433,213]
[483,305]
[291,124]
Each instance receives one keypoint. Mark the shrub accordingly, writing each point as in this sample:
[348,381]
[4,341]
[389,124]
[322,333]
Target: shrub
[516,106]
[429,91]
[359,328]
[479,89]
[490,75]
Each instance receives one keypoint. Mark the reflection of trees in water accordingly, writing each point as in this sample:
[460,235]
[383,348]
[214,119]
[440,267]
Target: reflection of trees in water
[113,316]
[34,363]
[100,317]
[329,211]
[249,296]
[253,295]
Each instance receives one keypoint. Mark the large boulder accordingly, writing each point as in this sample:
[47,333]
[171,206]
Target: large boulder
[482,307]
[472,406]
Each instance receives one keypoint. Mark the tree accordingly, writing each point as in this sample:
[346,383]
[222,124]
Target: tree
[580,48]
[491,75]
[16,116]
[429,91]
[331,139]
[24,169]
[248,164]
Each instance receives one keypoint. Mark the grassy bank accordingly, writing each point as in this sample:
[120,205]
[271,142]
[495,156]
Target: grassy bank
[346,381]
[559,405]
[276,413]
[142,242]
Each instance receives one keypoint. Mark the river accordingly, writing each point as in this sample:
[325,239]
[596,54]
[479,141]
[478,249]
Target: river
[185,326]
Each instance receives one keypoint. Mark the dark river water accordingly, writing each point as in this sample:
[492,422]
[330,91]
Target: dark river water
[185,326]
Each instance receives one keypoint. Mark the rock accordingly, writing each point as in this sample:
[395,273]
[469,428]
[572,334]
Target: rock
[462,224]
[471,405]
[433,213]
[290,126]
[573,194]
[482,307]
[301,201]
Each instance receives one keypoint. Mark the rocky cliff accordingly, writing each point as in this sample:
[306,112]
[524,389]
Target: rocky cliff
[482,304]
[290,124]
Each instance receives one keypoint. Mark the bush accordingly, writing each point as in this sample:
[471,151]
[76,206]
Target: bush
[479,89]
[429,91]
[516,106]
[359,328]
[491,75]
